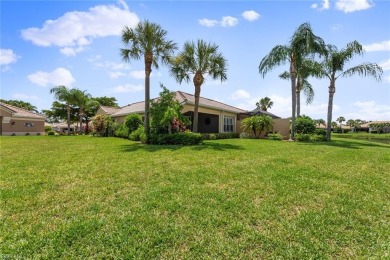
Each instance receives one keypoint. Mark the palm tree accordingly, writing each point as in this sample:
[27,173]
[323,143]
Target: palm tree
[319,122]
[350,123]
[334,124]
[332,67]
[302,43]
[198,60]
[147,40]
[81,99]
[340,119]
[264,103]
[64,94]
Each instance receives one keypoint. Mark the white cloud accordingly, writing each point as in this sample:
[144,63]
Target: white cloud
[75,30]
[208,23]
[336,27]
[385,64]
[240,94]
[116,74]
[229,21]
[127,88]
[349,6]
[370,110]
[59,76]
[137,74]
[380,46]
[7,56]
[226,21]
[250,15]
[324,6]
[21,96]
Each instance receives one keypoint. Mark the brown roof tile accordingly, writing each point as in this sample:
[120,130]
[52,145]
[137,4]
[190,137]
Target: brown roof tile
[20,112]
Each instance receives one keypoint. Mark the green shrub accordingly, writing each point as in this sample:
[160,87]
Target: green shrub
[27,133]
[304,125]
[245,135]
[318,138]
[47,128]
[275,137]
[209,136]
[122,131]
[132,122]
[303,137]
[183,138]
[136,135]
[320,131]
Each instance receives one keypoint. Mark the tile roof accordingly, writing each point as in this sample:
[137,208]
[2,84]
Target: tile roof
[20,112]
[110,110]
[262,112]
[183,98]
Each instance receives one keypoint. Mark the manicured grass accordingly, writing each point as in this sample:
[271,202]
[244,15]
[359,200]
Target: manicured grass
[382,138]
[85,197]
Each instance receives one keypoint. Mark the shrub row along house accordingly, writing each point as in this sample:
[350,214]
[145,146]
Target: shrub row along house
[18,121]
[214,116]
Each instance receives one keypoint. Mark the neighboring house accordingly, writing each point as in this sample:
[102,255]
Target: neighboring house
[213,117]
[18,121]
[63,127]
[370,126]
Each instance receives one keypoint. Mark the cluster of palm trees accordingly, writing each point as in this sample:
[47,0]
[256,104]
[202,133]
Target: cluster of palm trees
[308,55]
[75,97]
[196,61]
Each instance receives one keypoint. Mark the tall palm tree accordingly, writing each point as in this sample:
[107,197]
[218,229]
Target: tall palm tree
[198,60]
[64,94]
[350,123]
[340,119]
[332,67]
[264,103]
[147,40]
[302,43]
[81,99]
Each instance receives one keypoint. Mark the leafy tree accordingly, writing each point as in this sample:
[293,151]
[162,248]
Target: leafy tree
[302,43]
[64,94]
[81,100]
[132,122]
[332,67]
[106,101]
[147,40]
[198,60]
[264,103]
[350,123]
[305,125]
[257,124]
[165,112]
[21,104]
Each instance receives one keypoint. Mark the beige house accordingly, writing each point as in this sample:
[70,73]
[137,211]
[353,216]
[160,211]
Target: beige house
[18,121]
[214,116]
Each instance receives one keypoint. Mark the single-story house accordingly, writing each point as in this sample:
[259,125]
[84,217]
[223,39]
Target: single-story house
[370,126]
[213,117]
[63,127]
[18,121]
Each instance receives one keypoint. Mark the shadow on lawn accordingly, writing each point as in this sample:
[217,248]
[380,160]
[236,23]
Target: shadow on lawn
[154,148]
[350,143]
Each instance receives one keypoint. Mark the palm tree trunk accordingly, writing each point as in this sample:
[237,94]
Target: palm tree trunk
[198,81]
[196,108]
[68,116]
[332,90]
[81,120]
[298,93]
[293,74]
[148,70]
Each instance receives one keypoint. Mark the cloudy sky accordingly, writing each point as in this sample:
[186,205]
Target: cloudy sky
[76,44]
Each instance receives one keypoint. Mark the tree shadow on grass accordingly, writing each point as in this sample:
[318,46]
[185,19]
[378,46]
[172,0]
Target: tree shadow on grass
[155,148]
[350,144]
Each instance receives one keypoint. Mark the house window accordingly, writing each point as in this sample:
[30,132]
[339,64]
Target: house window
[228,124]
[28,124]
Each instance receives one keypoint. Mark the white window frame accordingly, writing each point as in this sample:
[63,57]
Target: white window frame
[228,127]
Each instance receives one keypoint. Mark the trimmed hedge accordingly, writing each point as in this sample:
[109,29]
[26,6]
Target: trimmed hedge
[183,138]
[216,136]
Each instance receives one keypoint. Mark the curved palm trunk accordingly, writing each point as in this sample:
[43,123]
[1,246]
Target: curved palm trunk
[293,74]
[198,81]
[68,116]
[148,70]
[332,90]
[81,119]
[298,93]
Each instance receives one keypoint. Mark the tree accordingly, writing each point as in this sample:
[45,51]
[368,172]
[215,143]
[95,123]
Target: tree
[340,119]
[106,101]
[334,124]
[264,103]
[198,60]
[21,104]
[332,67]
[62,93]
[257,124]
[148,40]
[319,122]
[302,43]
[350,123]
[82,100]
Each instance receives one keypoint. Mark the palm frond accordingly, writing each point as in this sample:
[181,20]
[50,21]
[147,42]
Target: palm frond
[279,55]
[365,69]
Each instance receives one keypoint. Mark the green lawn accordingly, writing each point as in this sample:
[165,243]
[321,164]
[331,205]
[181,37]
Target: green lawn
[382,138]
[87,197]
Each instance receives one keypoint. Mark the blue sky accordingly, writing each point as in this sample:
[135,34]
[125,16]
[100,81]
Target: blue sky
[76,43]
